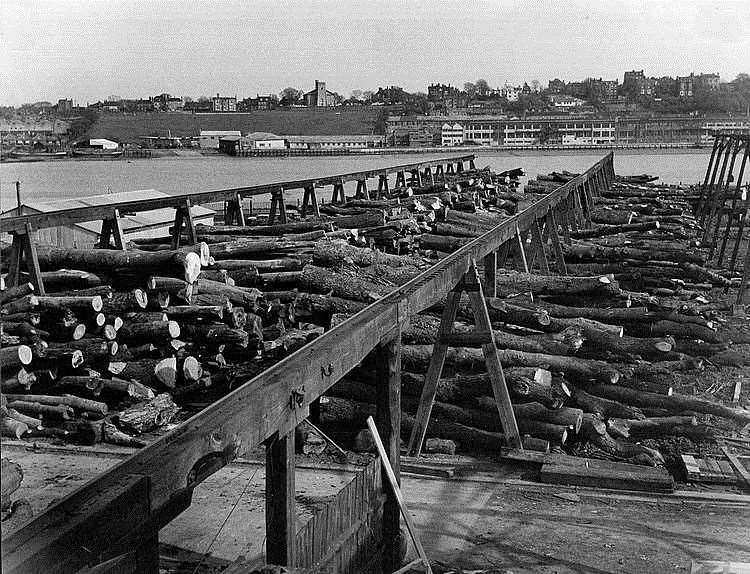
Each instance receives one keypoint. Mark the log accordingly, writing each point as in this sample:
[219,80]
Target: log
[604,407]
[53,258]
[25,304]
[157,331]
[571,418]
[217,334]
[244,297]
[135,300]
[338,252]
[443,243]
[31,422]
[39,410]
[192,313]
[149,415]
[603,230]
[15,356]
[32,318]
[97,385]
[241,248]
[674,403]
[70,401]
[513,282]
[12,477]
[686,330]
[70,279]
[275,229]
[345,285]
[63,357]
[93,349]
[290,341]
[147,371]
[589,252]
[263,265]
[12,293]
[20,379]
[86,305]
[134,352]
[146,317]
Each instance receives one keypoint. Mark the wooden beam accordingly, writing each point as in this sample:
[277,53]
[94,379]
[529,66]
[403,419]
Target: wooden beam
[490,274]
[281,513]
[556,245]
[536,238]
[97,213]
[388,422]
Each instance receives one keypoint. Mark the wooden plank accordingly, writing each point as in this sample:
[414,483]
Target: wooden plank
[636,478]
[490,274]
[536,238]
[739,468]
[397,493]
[29,241]
[281,514]
[551,228]
[85,538]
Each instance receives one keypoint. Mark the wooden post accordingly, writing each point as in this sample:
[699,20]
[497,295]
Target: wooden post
[471,164]
[18,197]
[449,169]
[521,250]
[310,200]
[429,175]
[490,274]
[439,172]
[564,221]
[24,247]
[388,422]
[362,189]
[281,514]
[555,240]
[459,166]
[338,193]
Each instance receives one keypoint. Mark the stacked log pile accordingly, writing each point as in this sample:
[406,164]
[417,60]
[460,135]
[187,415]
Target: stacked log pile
[589,358]
[122,337]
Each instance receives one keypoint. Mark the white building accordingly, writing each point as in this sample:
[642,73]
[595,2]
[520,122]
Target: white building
[713,127]
[209,139]
[262,140]
[334,142]
[102,143]
[511,93]
[452,135]
[565,102]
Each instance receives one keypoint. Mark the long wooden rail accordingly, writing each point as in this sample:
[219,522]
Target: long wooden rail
[75,531]
[103,212]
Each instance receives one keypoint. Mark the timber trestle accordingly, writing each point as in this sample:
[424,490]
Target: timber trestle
[723,207]
[117,515]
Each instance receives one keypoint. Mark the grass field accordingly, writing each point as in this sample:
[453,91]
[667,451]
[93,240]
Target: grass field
[338,121]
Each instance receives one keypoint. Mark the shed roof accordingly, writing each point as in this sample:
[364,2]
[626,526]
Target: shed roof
[263,136]
[130,222]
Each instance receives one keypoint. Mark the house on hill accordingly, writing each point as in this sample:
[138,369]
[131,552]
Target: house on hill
[320,97]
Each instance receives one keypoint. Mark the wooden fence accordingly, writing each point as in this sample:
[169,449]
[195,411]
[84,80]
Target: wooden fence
[267,408]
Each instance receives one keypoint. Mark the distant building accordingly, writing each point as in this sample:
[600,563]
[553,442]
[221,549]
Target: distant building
[257,104]
[320,97]
[224,103]
[686,86]
[632,82]
[209,139]
[603,90]
[334,142]
[709,82]
[451,135]
[167,103]
[64,106]
[565,102]
[99,143]
[556,86]
[262,140]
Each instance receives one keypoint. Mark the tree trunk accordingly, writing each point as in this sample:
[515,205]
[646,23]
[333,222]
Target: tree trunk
[604,407]
[247,298]
[147,416]
[512,282]
[323,280]
[12,293]
[53,258]
[216,335]
[121,303]
[155,331]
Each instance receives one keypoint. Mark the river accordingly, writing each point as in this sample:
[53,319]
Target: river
[67,178]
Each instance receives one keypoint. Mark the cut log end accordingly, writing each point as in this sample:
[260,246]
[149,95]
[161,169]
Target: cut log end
[78,331]
[140,297]
[192,267]
[174,329]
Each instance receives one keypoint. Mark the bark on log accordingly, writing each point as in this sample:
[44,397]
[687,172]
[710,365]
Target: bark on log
[147,416]
[15,356]
[216,334]
[156,331]
[603,230]
[13,293]
[588,252]
[148,372]
[337,253]
[244,297]
[344,285]
[674,403]
[512,282]
[443,243]
[12,428]
[604,407]
[97,385]
[53,258]
[146,317]
[243,248]
[417,357]
[192,313]
[124,302]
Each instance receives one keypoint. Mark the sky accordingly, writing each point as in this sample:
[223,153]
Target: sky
[89,50]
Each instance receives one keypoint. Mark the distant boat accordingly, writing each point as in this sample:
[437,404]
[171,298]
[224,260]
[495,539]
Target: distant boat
[36,156]
[637,179]
[96,152]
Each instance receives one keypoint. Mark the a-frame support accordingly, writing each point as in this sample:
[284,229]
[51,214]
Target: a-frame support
[183,217]
[24,246]
[400,179]
[233,214]
[277,205]
[362,192]
[482,334]
[111,228]
[383,186]
[338,193]
[310,201]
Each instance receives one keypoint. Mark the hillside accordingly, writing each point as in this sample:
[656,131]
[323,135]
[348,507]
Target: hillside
[337,121]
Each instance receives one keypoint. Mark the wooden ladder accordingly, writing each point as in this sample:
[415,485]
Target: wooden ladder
[447,337]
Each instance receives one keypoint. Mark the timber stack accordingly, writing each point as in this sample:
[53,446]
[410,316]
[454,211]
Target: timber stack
[127,337]
[121,338]
[591,357]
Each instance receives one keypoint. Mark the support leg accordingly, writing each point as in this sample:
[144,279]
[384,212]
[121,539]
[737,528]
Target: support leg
[281,515]
[388,421]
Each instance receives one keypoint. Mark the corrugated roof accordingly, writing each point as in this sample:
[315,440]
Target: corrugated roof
[130,222]
[220,133]
[263,136]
